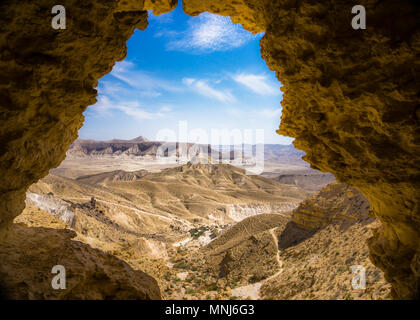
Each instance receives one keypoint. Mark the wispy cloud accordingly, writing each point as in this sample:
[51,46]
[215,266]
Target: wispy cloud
[207,33]
[257,83]
[201,87]
[165,109]
[105,105]
[146,83]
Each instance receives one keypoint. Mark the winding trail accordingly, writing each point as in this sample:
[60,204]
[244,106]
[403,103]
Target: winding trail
[280,263]
[252,291]
[139,211]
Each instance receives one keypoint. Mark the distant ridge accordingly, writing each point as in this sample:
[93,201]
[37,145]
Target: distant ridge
[138,139]
[141,147]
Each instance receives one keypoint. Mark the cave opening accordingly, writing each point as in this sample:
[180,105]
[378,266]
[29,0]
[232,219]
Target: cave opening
[193,95]
[51,85]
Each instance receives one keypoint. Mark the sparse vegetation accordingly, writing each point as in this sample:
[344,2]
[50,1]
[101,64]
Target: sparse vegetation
[242,255]
[180,265]
[198,232]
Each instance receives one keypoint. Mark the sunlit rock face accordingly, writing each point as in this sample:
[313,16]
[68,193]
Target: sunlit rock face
[351,101]
[48,80]
[350,96]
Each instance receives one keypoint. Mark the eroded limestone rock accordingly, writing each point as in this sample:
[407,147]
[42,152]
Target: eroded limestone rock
[351,101]
[350,96]
[29,253]
[335,202]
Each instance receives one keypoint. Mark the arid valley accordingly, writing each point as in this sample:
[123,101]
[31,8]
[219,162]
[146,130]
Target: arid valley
[223,155]
[202,229]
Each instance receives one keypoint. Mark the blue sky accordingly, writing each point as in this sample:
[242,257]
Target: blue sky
[204,70]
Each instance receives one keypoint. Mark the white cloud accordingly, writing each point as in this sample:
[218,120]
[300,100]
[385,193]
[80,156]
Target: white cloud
[105,105]
[188,81]
[201,87]
[270,113]
[166,109]
[102,107]
[132,108]
[167,33]
[147,84]
[209,32]
[257,83]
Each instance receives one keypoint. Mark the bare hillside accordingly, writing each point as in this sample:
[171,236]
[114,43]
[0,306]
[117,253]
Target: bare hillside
[271,257]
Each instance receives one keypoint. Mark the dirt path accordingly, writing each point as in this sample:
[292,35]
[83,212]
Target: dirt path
[280,263]
[171,219]
[252,291]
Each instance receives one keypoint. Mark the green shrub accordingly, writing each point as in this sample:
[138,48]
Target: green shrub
[180,265]
[212,287]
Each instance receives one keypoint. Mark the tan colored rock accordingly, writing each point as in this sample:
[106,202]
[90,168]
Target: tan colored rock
[351,103]
[337,201]
[249,13]
[29,253]
[350,97]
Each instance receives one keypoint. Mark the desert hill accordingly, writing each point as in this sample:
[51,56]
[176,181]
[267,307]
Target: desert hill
[140,147]
[112,176]
[215,192]
[335,202]
[281,162]
[212,231]
[270,256]
[158,204]
[139,216]
[310,180]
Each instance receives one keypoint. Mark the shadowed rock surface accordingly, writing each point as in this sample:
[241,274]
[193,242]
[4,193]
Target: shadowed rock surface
[350,97]
[28,255]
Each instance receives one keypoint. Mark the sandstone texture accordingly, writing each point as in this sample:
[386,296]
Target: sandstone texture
[350,96]
[29,253]
[337,201]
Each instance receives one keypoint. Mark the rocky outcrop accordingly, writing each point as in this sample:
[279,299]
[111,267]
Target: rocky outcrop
[49,78]
[350,96]
[57,207]
[90,148]
[90,273]
[307,181]
[239,212]
[319,265]
[335,202]
[351,102]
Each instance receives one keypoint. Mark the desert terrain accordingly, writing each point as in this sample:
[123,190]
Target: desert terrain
[206,229]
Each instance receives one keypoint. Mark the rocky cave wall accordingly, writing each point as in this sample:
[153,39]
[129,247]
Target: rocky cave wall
[350,96]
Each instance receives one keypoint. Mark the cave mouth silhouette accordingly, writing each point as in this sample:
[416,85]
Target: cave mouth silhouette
[350,97]
[133,93]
